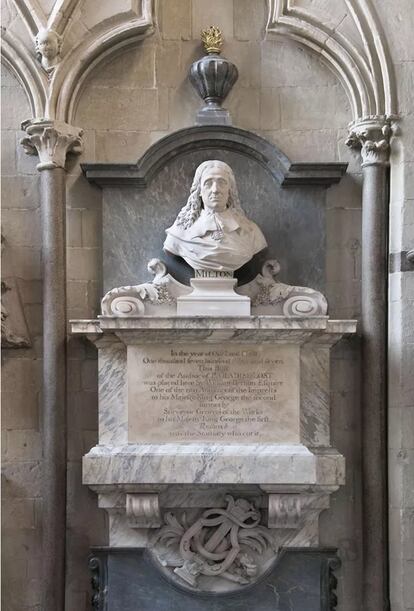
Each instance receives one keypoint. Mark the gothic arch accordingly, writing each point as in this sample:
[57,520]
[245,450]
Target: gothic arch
[22,65]
[367,75]
[56,97]
[106,41]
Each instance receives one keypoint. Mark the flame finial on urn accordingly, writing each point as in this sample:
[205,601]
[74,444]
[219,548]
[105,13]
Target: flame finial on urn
[212,40]
[213,77]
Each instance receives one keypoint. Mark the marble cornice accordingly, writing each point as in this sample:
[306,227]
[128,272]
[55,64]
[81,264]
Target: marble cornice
[249,329]
[210,137]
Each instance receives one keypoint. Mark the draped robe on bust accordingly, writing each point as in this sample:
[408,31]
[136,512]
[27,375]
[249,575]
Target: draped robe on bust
[221,241]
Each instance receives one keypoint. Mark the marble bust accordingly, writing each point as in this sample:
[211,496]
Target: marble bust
[212,232]
[48,46]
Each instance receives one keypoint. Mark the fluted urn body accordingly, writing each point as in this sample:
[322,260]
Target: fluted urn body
[213,77]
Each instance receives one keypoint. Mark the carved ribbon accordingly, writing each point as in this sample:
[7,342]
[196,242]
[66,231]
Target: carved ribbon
[229,521]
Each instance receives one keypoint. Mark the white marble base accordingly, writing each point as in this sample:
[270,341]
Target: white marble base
[196,463]
[213,297]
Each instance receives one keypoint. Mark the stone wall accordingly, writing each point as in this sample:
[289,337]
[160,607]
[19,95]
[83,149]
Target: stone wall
[399,20]
[286,94]
[22,368]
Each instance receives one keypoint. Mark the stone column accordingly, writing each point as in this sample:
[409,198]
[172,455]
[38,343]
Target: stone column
[371,136]
[52,141]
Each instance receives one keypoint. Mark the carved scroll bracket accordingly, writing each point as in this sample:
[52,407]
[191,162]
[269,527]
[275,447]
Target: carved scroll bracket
[291,511]
[52,141]
[285,510]
[143,511]
[268,295]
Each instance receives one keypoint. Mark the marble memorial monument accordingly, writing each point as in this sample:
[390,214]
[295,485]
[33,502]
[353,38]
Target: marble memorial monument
[214,437]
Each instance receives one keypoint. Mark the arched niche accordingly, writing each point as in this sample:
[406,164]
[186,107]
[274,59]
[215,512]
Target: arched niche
[285,199]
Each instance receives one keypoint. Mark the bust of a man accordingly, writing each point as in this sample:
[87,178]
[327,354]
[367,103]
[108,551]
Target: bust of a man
[211,231]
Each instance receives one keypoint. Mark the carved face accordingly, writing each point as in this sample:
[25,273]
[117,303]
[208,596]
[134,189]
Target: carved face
[215,189]
[48,44]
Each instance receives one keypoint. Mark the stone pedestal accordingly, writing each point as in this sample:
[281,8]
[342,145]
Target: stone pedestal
[203,417]
[213,296]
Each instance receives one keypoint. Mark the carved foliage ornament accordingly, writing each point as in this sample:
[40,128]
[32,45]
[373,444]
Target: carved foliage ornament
[372,137]
[52,141]
[268,295]
[222,544]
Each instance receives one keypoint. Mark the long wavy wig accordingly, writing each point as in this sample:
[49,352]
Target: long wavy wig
[192,209]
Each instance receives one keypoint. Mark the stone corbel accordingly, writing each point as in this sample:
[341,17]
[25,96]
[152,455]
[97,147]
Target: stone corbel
[284,511]
[52,141]
[293,510]
[143,511]
[371,135]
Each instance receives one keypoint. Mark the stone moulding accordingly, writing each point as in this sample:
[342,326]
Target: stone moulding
[212,137]
[158,329]
[267,294]
[284,467]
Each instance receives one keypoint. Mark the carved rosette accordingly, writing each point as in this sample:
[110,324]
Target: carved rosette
[372,137]
[52,141]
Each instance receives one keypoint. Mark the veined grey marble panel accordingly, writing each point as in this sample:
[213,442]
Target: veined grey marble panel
[314,395]
[127,580]
[134,222]
[113,410]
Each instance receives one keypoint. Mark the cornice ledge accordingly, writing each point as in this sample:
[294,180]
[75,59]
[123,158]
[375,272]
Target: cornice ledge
[231,138]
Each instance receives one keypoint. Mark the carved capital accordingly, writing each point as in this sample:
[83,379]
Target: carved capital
[371,136]
[52,141]
[143,511]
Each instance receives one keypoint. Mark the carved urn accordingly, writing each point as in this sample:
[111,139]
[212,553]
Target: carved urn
[213,77]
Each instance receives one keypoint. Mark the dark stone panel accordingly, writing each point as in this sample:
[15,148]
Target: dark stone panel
[127,580]
[135,219]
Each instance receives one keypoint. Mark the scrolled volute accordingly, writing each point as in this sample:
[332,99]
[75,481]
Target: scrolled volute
[129,301]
